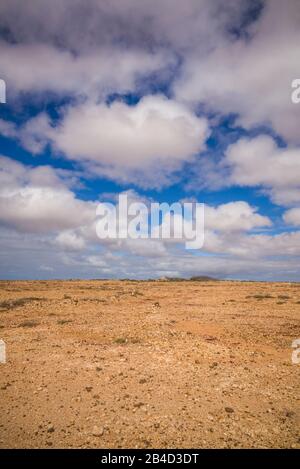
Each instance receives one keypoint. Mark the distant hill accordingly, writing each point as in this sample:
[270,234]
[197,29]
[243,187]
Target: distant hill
[196,278]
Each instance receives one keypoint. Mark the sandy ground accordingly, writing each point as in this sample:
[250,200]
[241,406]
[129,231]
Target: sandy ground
[110,364]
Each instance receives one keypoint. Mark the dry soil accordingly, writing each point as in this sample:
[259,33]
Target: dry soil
[119,364]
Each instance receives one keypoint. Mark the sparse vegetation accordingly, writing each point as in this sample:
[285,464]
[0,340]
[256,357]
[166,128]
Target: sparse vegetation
[29,323]
[180,350]
[96,300]
[283,297]
[260,296]
[64,321]
[120,340]
[11,304]
[203,278]
[196,278]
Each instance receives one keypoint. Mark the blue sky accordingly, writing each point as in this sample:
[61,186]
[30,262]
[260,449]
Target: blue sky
[173,103]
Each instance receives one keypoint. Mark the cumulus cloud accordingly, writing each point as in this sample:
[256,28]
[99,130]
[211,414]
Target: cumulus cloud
[99,22]
[39,200]
[44,223]
[258,257]
[36,200]
[264,246]
[120,140]
[239,57]
[292,216]
[234,216]
[38,68]
[131,136]
[70,241]
[260,162]
[77,46]
[224,56]
[251,76]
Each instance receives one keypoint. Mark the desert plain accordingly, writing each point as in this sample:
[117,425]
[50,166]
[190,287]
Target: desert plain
[149,364]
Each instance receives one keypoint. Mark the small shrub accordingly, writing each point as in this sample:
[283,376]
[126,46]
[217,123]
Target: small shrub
[29,323]
[63,321]
[120,340]
[260,296]
[11,304]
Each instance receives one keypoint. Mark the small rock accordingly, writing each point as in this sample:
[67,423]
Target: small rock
[97,431]
[213,365]
[138,404]
[50,429]
[229,410]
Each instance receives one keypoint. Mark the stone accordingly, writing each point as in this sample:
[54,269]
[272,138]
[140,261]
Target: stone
[97,431]
[229,410]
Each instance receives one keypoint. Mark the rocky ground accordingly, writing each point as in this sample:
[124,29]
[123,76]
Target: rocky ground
[118,364]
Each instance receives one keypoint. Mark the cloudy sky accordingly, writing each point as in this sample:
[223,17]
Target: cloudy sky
[165,101]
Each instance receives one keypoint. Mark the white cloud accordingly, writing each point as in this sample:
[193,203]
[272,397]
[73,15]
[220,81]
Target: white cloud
[249,73]
[87,50]
[292,216]
[7,129]
[103,22]
[260,162]
[34,133]
[122,141]
[37,200]
[70,241]
[37,68]
[254,246]
[83,40]
[234,216]
[131,136]
[43,223]
[253,76]
[255,257]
